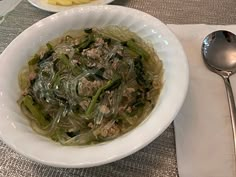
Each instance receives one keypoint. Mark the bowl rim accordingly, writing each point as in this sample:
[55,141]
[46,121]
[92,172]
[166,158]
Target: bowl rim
[151,137]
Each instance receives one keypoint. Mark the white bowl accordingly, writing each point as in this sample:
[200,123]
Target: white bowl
[15,129]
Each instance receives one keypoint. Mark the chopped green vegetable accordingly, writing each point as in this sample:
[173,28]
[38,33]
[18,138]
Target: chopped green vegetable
[48,53]
[140,74]
[137,49]
[32,106]
[99,73]
[24,79]
[88,30]
[85,43]
[65,60]
[110,84]
[34,60]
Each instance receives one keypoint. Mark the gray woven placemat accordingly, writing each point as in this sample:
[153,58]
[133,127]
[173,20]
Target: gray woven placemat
[159,158]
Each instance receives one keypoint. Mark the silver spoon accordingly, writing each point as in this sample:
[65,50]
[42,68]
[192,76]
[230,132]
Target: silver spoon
[219,55]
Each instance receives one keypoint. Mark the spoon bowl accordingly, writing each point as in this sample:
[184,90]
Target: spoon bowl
[219,52]
[219,55]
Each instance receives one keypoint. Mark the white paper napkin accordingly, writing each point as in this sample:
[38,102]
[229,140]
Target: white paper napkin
[203,130]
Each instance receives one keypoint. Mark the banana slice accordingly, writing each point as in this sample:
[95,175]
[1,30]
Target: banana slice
[64,2]
[68,2]
[80,1]
[53,2]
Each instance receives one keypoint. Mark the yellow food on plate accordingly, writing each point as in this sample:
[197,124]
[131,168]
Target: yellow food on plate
[68,2]
[81,1]
[53,2]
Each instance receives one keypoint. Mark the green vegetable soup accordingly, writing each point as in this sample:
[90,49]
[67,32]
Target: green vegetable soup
[90,86]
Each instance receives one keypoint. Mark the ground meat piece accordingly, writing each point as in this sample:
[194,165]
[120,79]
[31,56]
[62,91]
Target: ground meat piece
[115,64]
[24,92]
[91,64]
[129,109]
[75,61]
[91,125]
[104,132]
[156,83]
[94,53]
[130,90]
[119,49]
[76,41]
[32,76]
[112,131]
[122,109]
[127,98]
[120,52]
[109,97]
[99,42]
[104,109]
[108,74]
[88,88]
[128,93]
[84,104]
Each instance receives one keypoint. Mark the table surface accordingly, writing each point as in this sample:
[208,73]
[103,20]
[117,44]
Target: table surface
[157,159]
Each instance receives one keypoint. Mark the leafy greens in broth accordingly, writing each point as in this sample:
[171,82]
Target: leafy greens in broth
[90,86]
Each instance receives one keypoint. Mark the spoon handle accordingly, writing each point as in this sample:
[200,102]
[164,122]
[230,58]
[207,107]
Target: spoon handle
[231,108]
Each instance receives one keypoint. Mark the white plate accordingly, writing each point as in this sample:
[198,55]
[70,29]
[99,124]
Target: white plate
[7,6]
[42,4]
[15,129]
